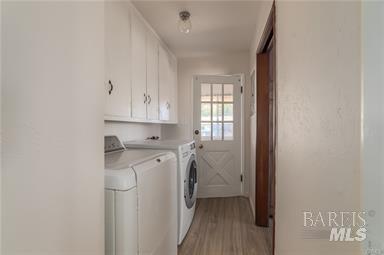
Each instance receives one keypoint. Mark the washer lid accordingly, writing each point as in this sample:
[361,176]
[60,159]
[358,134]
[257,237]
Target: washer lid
[157,144]
[119,173]
[128,158]
[122,180]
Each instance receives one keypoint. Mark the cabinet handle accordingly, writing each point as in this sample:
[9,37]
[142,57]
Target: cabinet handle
[149,99]
[145,98]
[111,87]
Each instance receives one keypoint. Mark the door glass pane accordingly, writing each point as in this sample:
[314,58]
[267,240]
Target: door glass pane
[217,93]
[228,112]
[217,112]
[217,131]
[228,131]
[228,93]
[205,112]
[205,131]
[205,92]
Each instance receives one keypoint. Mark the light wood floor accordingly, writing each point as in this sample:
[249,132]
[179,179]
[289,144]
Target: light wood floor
[224,226]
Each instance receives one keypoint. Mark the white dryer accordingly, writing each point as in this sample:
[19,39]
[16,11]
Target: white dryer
[186,174]
[140,201]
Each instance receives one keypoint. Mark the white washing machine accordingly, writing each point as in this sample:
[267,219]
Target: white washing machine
[186,174]
[137,184]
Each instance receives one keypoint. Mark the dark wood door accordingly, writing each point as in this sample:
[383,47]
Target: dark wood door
[262,140]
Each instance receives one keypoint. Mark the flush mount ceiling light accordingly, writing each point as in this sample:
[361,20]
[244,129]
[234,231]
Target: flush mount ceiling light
[185,24]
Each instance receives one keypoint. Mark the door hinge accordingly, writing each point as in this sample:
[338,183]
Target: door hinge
[241,89]
[241,177]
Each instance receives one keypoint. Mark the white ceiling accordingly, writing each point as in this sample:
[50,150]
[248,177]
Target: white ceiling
[217,26]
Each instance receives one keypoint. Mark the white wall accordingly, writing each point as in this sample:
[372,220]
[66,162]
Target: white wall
[373,160]
[261,17]
[52,128]
[318,128]
[187,67]
[131,131]
[252,163]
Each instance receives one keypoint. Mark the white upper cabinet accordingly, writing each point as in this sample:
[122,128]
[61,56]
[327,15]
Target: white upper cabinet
[141,74]
[152,77]
[117,60]
[164,85]
[173,98]
[167,86]
[139,68]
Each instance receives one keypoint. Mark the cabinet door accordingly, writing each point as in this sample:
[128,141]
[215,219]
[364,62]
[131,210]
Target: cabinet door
[173,91]
[152,77]
[164,85]
[139,74]
[117,60]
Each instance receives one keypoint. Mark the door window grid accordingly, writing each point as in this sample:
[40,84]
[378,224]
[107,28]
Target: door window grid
[216,112]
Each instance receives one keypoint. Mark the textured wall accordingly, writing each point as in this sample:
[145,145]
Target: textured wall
[318,129]
[52,128]
[373,126]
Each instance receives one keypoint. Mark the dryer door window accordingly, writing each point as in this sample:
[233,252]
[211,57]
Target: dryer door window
[190,183]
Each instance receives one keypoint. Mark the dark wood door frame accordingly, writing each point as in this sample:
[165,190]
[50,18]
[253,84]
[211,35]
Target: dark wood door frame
[262,140]
[265,131]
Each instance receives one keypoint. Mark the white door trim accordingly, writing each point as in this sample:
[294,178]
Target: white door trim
[242,121]
[242,142]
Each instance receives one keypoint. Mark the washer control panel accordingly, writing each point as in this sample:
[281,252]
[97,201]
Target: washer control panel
[187,149]
[112,143]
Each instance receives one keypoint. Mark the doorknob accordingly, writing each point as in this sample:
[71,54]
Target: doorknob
[201,146]
[197,132]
